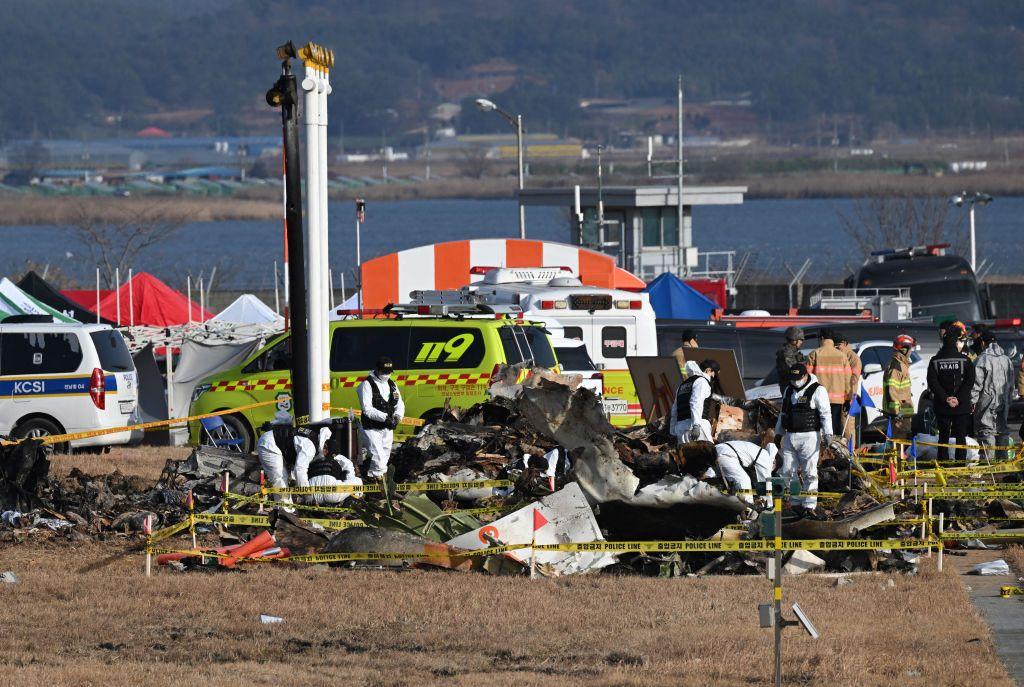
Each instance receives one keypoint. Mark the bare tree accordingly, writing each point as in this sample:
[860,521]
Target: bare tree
[115,236]
[899,221]
[473,162]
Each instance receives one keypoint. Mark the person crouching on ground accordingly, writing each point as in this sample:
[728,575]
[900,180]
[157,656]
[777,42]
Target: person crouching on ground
[276,451]
[318,468]
[738,461]
[806,421]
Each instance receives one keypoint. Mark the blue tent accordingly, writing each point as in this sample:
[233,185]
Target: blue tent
[672,298]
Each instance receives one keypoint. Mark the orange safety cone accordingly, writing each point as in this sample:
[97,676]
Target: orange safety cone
[263,540]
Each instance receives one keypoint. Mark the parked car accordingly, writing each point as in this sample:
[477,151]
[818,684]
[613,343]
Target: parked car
[59,378]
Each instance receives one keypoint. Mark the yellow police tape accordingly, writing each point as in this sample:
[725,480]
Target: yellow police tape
[973,495]
[824,495]
[1008,591]
[144,426]
[169,531]
[953,536]
[405,486]
[264,521]
[908,442]
[414,421]
[686,546]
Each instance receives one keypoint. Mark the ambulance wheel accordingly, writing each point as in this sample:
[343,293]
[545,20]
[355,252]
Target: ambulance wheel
[238,428]
[39,428]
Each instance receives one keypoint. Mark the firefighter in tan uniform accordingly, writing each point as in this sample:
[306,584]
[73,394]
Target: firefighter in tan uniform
[843,344]
[832,369]
[897,395]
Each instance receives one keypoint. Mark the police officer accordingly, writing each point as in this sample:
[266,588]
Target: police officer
[276,450]
[737,459]
[693,402]
[806,419]
[951,380]
[382,409]
[323,467]
[789,354]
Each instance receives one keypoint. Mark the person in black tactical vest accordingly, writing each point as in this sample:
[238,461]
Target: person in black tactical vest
[324,466]
[806,421]
[693,402]
[276,450]
[951,380]
[382,409]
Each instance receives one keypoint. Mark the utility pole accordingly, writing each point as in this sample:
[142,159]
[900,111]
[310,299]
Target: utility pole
[284,94]
[684,233]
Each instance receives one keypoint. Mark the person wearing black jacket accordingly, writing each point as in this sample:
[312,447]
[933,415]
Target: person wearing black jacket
[951,379]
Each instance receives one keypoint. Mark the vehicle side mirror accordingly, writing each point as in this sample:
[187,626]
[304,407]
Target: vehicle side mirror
[870,369]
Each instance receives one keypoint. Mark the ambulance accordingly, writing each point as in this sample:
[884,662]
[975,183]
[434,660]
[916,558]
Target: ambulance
[613,324]
[61,378]
[443,354]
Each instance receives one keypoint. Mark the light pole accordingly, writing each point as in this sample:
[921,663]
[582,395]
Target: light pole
[516,123]
[973,198]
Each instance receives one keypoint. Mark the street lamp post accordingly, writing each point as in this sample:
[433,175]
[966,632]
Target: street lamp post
[516,123]
[971,199]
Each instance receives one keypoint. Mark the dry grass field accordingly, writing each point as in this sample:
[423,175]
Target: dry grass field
[115,627]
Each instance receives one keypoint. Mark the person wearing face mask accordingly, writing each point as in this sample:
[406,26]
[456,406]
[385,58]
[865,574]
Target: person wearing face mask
[693,402]
[322,467]
[806,421]
[951,380]
[382,409]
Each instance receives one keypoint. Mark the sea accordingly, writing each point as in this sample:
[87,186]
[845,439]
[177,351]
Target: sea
[779,235]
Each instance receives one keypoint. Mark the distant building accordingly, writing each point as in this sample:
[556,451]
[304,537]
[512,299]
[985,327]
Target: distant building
[503,146]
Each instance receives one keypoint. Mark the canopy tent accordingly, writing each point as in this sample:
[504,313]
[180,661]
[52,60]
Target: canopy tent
[43,291]
[672,298]
[155,304]
[14,301]
[85,297]
[248,309]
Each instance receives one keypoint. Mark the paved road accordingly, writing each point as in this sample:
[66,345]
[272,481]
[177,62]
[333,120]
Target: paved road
[1004,616]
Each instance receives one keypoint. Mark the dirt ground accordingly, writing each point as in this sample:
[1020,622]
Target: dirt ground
[115,627]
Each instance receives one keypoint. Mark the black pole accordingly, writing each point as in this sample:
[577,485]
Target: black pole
[284,94]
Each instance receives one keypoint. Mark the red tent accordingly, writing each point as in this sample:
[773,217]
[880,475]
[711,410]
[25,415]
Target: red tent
[153,132]
[156,304]
[85,297]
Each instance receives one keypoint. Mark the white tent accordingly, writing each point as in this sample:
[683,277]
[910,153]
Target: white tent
[347,307]
[248,309]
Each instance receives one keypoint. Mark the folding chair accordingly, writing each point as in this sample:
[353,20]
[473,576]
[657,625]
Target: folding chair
[219,434]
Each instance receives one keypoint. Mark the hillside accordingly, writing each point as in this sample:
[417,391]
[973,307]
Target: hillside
[98,67]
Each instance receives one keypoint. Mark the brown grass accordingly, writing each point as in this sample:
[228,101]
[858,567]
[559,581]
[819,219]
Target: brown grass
[1014,555]
[115,627]
[144,461]
[62,211]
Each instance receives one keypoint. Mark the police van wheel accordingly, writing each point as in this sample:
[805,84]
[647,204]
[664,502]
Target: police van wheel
[39,428]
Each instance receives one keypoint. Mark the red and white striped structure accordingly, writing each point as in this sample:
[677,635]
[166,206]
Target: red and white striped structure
[390,278]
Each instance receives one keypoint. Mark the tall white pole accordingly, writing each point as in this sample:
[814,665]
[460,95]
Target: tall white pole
[131,300]
[974,264]
[202,301]
[188,285]
[117,290]
[519,143]
[327,283]
[97,295]
[683,232]
[311,85]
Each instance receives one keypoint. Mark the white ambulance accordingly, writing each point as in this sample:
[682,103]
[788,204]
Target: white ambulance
[58,378]
[612,323]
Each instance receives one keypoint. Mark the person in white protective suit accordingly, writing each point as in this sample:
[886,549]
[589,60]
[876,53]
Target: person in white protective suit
[693,401]
[806,419]
[736,461]
[382,409]
[276,451]
[318,468]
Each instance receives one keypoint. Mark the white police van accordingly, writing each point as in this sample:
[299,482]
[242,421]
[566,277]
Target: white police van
[58,378]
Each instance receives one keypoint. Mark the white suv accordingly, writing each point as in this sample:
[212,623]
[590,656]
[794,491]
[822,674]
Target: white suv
[65,378]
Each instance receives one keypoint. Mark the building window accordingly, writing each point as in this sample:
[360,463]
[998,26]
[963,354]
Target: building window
[652,228]
[670,227]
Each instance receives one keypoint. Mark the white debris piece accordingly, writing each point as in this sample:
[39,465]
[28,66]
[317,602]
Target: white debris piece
[564,516]
[802,561]
[996,567]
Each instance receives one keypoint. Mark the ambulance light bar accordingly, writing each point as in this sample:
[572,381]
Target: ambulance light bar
[452,309]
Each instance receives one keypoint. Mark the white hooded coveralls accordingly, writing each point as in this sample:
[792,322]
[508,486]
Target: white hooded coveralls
[699,394]
[737,458]
[377,441]
[800,450]
[306,454]
[272,461]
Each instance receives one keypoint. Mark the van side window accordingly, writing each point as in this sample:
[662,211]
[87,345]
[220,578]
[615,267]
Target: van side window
[277,357]
[574,333]
[31,353]
[512,348]
[613,342]
[356,349]
[445,347]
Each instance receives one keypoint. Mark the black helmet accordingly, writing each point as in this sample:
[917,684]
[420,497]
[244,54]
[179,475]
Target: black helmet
[797,371]
[384,364]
